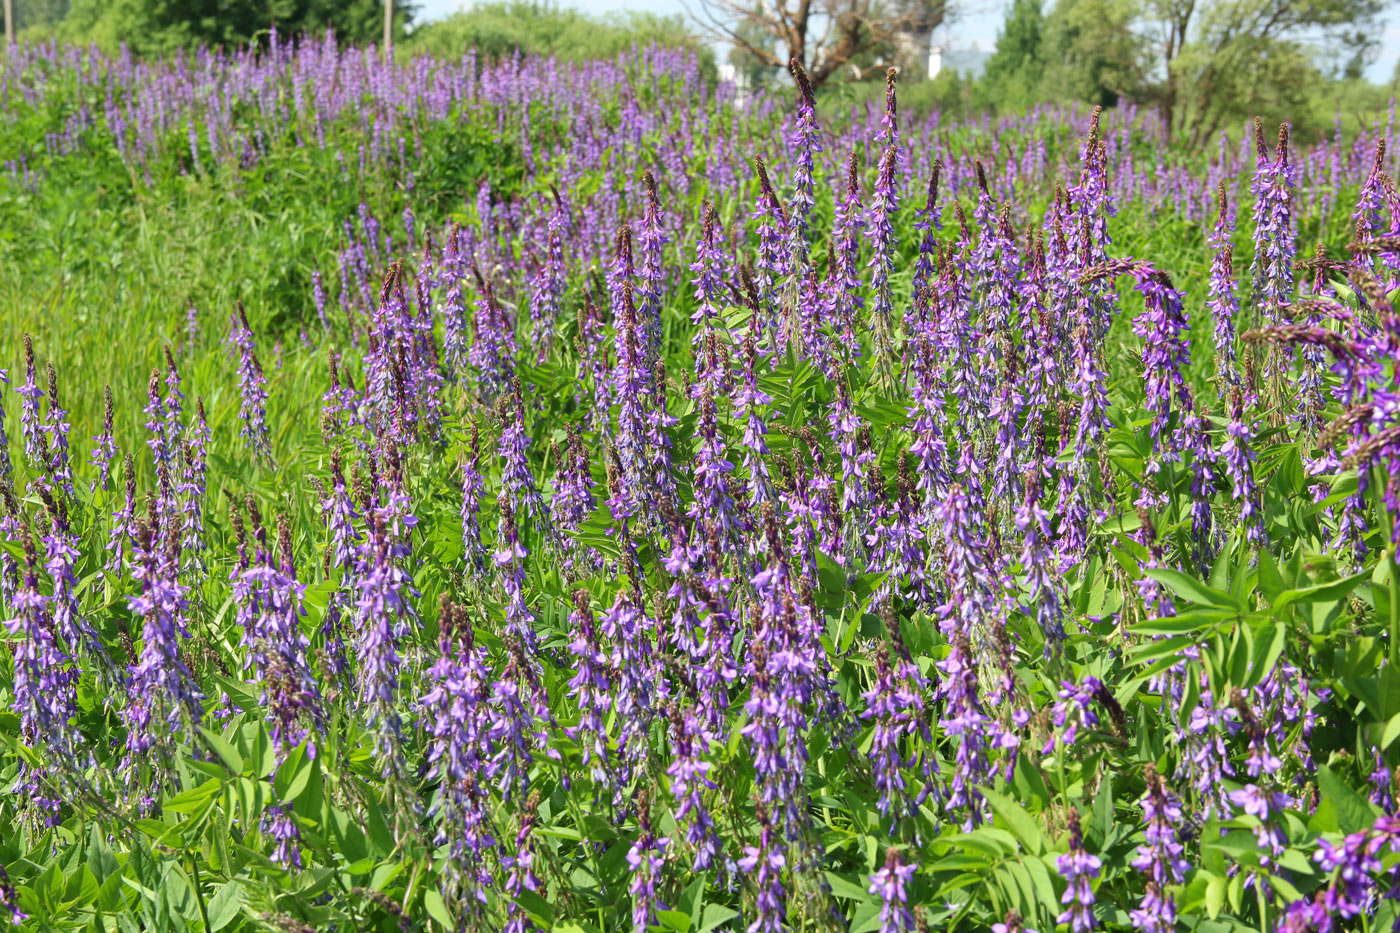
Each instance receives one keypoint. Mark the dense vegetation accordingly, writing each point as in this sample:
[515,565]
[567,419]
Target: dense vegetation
[570,497]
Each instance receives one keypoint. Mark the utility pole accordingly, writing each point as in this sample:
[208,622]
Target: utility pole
[388,25]
[9,23]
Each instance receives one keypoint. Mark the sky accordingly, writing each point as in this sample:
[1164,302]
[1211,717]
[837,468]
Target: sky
[974,27]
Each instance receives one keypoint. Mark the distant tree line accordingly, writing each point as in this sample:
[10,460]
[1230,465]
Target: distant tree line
[157,27]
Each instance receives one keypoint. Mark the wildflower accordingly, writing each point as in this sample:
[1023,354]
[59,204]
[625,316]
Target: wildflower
[765,863]
[645,860]
[1160,859]
[251,388]
[104,449]
[690,778]
[1078,868]
[458,747]
[889,884]
[29,423]
[590,688]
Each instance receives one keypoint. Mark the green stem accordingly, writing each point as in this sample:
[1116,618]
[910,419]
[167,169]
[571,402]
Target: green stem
[199,891]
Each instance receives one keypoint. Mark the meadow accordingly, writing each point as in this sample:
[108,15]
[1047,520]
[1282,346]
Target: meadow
[511,494]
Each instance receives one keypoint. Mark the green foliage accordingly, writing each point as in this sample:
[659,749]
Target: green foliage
[1012,74]
[159,27]
[541,27]
[1092,53]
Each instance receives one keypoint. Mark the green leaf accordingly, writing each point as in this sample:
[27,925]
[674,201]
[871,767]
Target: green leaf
[674,920]
[843,886]
[990,841]
[1215,895]
[226,752]
[225,906]
[1354,813]
[1192,589]
[1319,593]
[715,915]
[437,908]
[193,799]
[537,907]
[1392,731]
[1021,824]
[294,775]
[1194,620]
[1270,582]
[1269,642]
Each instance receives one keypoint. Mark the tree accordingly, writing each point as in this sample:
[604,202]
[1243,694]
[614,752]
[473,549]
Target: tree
[1012,74]
[826,36]
[155,27]
[1092,53]
[1223,59]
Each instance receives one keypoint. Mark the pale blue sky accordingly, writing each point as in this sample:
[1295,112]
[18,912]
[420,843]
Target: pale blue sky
[975,26]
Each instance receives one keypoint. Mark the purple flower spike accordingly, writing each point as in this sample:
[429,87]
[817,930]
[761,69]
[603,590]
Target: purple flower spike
[1079,868]
[251,388]
[1160,859]
[890,884]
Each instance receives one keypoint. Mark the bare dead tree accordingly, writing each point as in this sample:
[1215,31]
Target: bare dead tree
[825,36]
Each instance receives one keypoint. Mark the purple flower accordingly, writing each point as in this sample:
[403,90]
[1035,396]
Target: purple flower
[459,746]
[251,388]
[29,424]
[889,884]
[965,722]
[7,467]
[1033,522]
[519,865]
[895,703]
[473,487]
[711,470]
[774,257]
[805,141]
[1224,303]
[644,858]
[1165,355]
[880,223]
[1160,859]
[748,399]
[57,464]
[123,522]
[1274,242]
[510,566]
[382,615]
[708,267]
[765,863]
[1072,712]
[290,692]
[549,283]
[8,900]
[1078,868]
[628,628]
[162,695]
[690,778]
[844,271]
[45,679]
[61,556]
[1238,456]
[631,386]
[651,285]
[590,688]
[104,449]
[318,297]
[194,471]
[517,481]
